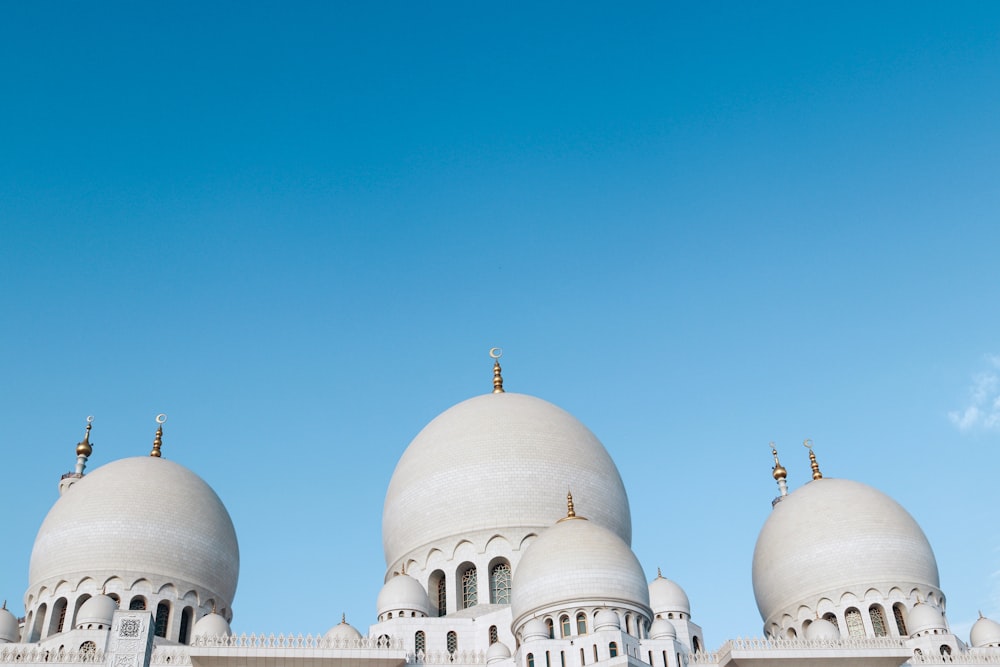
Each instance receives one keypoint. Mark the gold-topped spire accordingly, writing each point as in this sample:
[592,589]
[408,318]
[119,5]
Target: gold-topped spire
[343,618]
[570,509]
[659,575]
[808,443]
[84,448]
[158,439]
[495,354]
[780,474]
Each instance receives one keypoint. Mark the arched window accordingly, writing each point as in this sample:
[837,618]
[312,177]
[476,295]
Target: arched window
[36,631]
[531,660]
[389,616]
[945,649]
[419,642]
[595,653]
[832,618]
[628,624]
[878,620]
[548,660]
[562,658]
[58,617]
[695,644]
[114,596]
[470,587]
[162,617]
[897,613]
[494,637]
[564,626]
[138,603]
[581,624]
[88,651]
[613,649]
[551,626]
[76,609]
[440,587]
[452,642]
[500,584]
[186,617]
[791,634]
[855,624]
[583,658]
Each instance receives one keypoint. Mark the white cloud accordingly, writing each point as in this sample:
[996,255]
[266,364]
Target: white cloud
[983,409]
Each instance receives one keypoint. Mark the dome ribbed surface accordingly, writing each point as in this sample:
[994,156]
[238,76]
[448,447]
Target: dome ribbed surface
[834,536]
[494,462]
[142,517]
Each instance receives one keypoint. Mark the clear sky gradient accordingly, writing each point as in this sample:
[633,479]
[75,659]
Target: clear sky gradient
[297,229]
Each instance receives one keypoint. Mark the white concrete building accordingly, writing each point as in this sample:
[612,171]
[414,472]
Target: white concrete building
[523,576]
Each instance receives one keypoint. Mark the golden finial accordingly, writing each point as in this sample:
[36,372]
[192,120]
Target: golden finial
[659,575]
[84,448]
[495,354]
[778,471]
[570,510]
[343,618]
[808,443]
[158,440]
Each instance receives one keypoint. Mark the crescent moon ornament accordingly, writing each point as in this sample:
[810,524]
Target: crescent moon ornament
[90,419]
[160,418]
[807,443]
[496,352]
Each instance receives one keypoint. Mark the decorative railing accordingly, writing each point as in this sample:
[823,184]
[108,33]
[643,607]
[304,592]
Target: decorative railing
[282,641]
[969,658]
[15,653]
[775,644]
[703,658]
[446,658]
[170,656]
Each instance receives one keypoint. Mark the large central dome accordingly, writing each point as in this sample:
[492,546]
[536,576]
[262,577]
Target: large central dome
[498,462]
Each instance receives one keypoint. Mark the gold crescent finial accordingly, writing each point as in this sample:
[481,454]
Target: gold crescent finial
[778,471]
[84,448]
[808,443]
[158,441]
[495,354]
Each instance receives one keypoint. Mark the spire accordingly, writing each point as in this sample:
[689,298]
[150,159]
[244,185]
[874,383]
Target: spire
[659,574]
[570,509]
[343,618]
[83,448]
[808,443]
[780,474]
[495,354]
[158,440]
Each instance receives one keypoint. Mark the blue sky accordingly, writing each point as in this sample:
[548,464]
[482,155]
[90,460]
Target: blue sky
[297,230]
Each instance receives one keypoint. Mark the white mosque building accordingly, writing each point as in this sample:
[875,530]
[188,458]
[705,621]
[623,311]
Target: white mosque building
[525,576]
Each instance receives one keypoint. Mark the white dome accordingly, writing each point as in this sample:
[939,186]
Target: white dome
[343,632]
[403,593]
[211,625]
[667,596]
[985,632]
[142,517]
[577,562]
[606,619]
[661,628]
[98,610]
[834,536]
[925,618]
[822,629]
[535,629]
[495,462]
[496,652]
[9,632]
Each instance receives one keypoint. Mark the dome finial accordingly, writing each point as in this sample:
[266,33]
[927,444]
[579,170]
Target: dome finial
[83,448]
[808,444]
[495,354]
[659,574]
[780,475]
[570,510]
[158,440]
[343,618]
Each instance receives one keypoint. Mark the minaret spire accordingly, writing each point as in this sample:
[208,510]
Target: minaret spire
[780,474]
[495,354]
[83,448]
[808,443]
[158,439]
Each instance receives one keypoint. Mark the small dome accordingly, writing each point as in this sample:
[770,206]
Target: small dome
[985,632]
[822,629]
[667,596]
[343,631]
[98,610]
[212,625]
[141,517]
[924,618]
[607,620]
[403,593]
[662,629]
[534,440]
[577,562]
[535,629]
[835,536]
[496,652]
[9,632]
